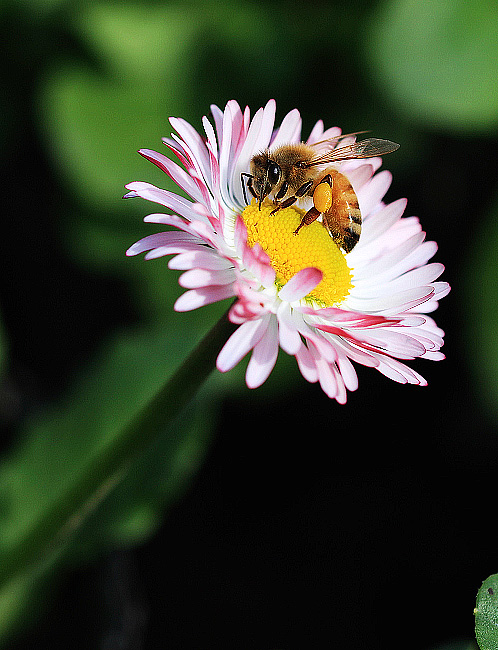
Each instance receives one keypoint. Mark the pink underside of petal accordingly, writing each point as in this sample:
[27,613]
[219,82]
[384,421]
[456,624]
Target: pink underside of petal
[251,303]
[356,353]
[194,144]
[176,173]
[350,318]
[341,394]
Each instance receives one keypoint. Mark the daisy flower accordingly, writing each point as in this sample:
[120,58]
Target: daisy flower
[302,293]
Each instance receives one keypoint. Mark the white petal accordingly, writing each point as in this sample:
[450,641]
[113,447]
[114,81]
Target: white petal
[379,222]
[421,276]
[263,357]
[196,278]
[371,194]
[359,176]
[240,342]
[199,297]
[202,259]
[211,137]
[173,238]
[398,344]
[409,255]
[398,372]
[290,341]
[325,375]
[347,371]
[168,199]
[289,130]
[306,364]
[258,137]
[170,249]
[391,305]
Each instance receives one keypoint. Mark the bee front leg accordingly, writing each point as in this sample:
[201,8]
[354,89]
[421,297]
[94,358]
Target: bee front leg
[285,204]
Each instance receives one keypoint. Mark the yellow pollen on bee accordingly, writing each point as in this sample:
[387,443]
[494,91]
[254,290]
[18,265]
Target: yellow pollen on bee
[322,197]
[290,253]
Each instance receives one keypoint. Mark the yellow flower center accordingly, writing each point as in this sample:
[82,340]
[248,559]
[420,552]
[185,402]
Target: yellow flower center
[289,253]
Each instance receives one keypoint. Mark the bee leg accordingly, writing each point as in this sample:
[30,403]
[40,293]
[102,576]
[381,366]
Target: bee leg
[284,204]
[282,192]
[292,199]
[309,217]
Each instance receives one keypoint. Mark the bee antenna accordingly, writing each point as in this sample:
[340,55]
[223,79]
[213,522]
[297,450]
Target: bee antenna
[243,184]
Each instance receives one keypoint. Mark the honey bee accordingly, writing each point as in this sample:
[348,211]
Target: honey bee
[295,171]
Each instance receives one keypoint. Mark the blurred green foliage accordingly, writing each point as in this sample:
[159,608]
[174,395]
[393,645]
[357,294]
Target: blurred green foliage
[123,68]
[438,61]
[482,301]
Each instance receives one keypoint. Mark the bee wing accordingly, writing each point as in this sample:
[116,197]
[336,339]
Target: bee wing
[333,141]
[364,149]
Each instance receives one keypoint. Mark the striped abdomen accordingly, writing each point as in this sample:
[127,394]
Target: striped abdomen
[342,217]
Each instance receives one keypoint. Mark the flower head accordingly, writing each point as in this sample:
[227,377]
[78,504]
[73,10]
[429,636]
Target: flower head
[301,293]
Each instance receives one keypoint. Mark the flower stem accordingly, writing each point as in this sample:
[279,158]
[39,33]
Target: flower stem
[53,529]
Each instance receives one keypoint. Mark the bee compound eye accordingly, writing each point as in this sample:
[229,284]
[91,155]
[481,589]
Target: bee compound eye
[273,173]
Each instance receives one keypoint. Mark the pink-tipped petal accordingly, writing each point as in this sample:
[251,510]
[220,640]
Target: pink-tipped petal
[264,357]
[241,342]
[196,298]
[300,284]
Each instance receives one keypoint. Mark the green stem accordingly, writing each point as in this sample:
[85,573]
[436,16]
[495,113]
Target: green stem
[109,465]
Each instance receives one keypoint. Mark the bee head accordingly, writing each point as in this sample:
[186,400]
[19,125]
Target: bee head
[266,174]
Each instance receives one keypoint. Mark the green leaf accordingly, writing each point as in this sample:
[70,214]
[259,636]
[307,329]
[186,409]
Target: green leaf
[437,61]
[486,614]
[94,121]
[91,475]
[481,292]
